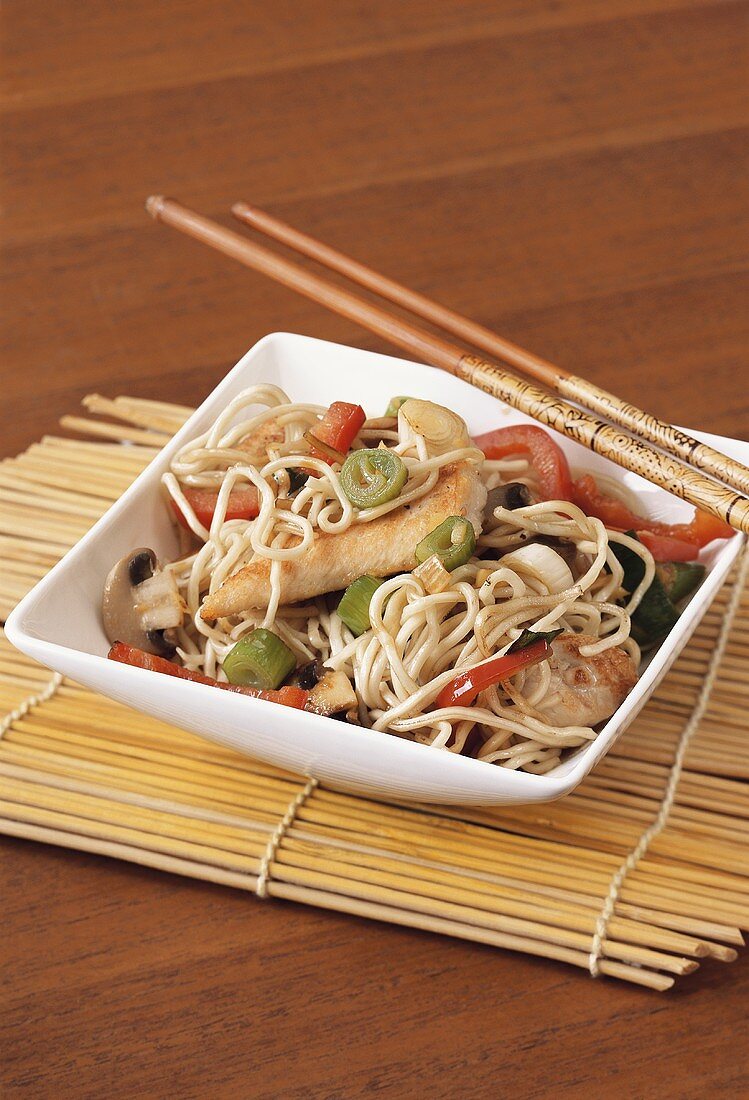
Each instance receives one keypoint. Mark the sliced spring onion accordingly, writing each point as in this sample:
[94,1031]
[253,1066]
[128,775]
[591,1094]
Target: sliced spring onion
[260,660]
[373,476]
[454,541]
[441,429]
[395,404]
[354,606]
[433,575]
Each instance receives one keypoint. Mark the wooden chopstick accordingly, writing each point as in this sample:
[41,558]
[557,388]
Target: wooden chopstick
[563,382]
[630,453]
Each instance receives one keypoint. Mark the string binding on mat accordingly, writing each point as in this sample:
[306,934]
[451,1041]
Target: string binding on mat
[286,821]
[30,702]
[652,831]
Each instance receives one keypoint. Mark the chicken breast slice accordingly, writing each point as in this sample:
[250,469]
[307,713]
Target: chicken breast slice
[382,547]
[256,446]
[585,690]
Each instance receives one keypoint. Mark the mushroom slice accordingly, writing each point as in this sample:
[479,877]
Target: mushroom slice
[332,694]
[512,495]
[141,604]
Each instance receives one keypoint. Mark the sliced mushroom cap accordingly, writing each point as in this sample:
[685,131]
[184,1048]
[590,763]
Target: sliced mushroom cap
[141,605]
[512,495]
[307,676]
[332,694]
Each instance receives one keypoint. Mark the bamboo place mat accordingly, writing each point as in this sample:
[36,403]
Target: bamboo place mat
[619,878]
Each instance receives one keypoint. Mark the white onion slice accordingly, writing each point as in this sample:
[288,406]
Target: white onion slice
[543,563]
[441,428]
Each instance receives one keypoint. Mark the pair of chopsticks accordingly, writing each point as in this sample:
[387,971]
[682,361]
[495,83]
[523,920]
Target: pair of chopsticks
[629,437]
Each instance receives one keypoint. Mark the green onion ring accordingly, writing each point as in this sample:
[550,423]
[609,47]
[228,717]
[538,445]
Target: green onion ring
[354,606]
[260,659]
[373,476]
[395,404]
[454,542]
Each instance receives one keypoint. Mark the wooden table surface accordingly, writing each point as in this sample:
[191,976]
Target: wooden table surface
[569,172]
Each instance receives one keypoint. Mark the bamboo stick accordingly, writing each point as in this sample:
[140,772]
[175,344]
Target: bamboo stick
[244,840]
[530,931]
[561,857]
[14,517]
[325,899]
[113,431]
[176,775]
[81,474]
[51,478]
[106,831]
[137,755]
[50,503]
[134,453]
[131,853]
[717,883]
[531,883]
[30,570]
[25,672]
[94,456]
[130,798]
[418,876]
[33,550]
[133,779]
[181,412]
[140,415]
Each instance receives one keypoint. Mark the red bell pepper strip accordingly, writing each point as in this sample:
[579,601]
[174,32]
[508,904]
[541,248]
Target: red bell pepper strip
[666,541]
[702,529]
[464,689]
[243,504]
[667,549]
[338,428]
[128,655]
[547,457]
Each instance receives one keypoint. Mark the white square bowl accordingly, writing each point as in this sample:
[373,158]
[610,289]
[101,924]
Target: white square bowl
[58,623]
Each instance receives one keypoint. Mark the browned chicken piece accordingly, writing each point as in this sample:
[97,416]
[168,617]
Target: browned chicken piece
[382,547]
[256,445]
[585,690]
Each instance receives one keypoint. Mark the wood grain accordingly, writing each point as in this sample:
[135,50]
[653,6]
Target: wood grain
[572,173]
